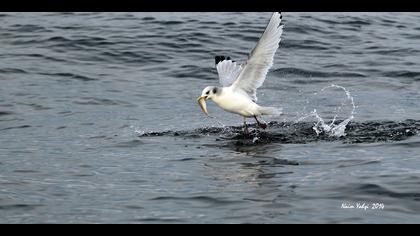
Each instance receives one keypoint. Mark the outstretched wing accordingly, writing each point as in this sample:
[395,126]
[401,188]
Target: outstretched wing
[228,71]
[260,60]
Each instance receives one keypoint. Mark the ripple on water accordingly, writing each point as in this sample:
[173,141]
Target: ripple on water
[16,127]
[101,101]
[25,207]
[129,144]
[201,199]
[70,76]
[6,113]
[370,190]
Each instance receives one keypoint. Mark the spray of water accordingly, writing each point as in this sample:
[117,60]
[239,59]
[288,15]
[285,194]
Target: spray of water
[225,129]
[333,128]
[213,118]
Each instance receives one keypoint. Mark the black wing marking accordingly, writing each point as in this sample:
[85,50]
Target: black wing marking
[218,59]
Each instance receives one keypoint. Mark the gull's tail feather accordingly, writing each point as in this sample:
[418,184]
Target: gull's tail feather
[273,111]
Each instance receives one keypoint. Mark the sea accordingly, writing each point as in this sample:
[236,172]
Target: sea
[99,121]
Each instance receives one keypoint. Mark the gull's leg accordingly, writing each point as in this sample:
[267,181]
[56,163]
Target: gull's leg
[264,126]
[245,127]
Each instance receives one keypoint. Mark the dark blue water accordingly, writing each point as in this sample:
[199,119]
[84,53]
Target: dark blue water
[99,121]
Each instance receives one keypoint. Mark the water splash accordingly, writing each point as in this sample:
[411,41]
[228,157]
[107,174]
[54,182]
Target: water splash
[226,130]
[333,128]
[213,118]
[302,132]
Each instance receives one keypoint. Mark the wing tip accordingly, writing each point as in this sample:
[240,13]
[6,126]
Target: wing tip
[218,59]
[278,14]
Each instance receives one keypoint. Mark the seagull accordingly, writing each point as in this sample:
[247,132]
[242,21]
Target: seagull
[239,83]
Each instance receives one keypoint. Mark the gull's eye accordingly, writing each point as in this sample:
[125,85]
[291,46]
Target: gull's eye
[215,90]
[208,92]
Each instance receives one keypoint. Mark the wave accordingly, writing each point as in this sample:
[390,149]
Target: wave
[13,71]
[292,71]
[6,113]
[67,75]
[402,74]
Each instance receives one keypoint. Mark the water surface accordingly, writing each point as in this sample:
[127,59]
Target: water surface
[99,121]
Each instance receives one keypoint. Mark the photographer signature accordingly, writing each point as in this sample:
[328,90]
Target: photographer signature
[363,206]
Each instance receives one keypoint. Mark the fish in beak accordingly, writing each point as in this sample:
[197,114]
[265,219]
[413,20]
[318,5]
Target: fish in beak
[202,103]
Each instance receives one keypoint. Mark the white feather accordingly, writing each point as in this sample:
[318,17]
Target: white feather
[228,71]
[260,59]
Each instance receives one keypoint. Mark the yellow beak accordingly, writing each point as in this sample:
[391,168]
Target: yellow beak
[202,103]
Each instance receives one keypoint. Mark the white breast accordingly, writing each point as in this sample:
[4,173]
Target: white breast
[235,102]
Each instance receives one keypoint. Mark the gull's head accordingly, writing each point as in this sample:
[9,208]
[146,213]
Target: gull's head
[208,93]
